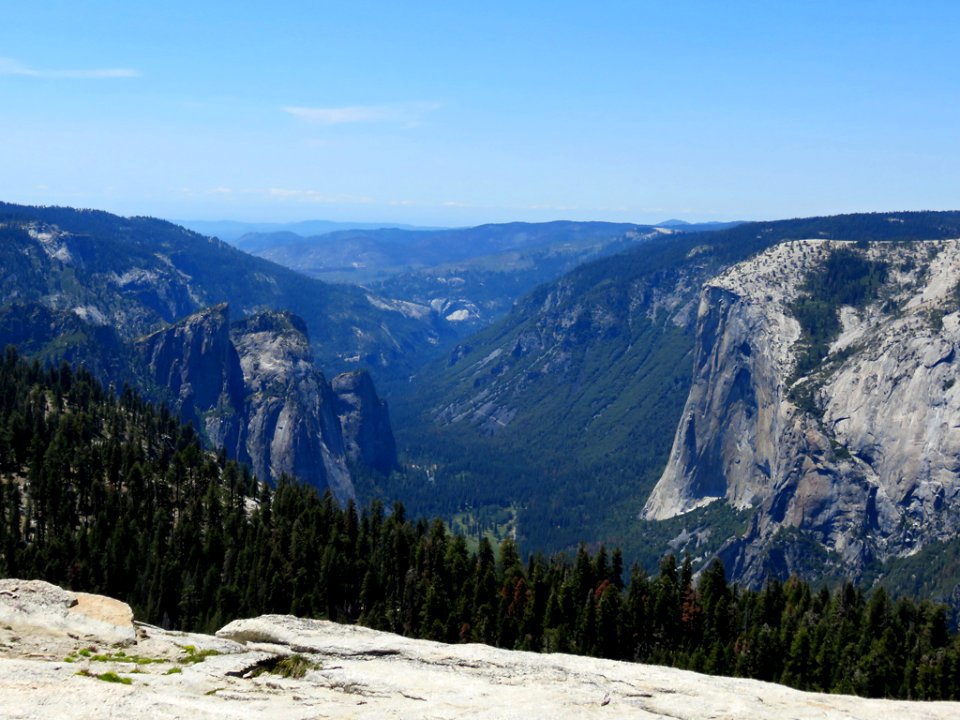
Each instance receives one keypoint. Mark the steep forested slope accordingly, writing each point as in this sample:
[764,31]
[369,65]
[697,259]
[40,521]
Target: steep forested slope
[135,274]
[564,412]
[110,495]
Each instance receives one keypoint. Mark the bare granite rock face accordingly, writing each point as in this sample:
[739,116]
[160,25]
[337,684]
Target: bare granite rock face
[292,425]
[365,421]
[195,361]
[253,389]
[37,607]
[729,440]
[347,671]
[873,469]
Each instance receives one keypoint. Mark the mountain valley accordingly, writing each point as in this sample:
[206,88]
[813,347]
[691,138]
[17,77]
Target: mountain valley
[470,276]
[472,361]
[595,370]
[141,302]
[696,392]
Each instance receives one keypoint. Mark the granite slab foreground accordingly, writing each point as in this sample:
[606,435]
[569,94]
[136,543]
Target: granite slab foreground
[69,669]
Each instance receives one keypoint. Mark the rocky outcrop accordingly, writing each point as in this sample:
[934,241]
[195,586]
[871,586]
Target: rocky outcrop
[45,612]
[869,468]
[291,415]
[196,364]
[364,421]
[252,388]
[353,672]
[727,444]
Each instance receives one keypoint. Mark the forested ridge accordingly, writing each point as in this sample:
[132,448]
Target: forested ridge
[591,372]
[101,492]
[143,273]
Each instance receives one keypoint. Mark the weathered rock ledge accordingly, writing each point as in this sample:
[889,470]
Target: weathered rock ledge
[48,669]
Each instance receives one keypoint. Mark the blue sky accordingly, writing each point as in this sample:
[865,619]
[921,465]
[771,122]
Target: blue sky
[455,113]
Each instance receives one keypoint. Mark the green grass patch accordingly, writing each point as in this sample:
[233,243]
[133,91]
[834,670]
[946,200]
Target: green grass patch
[109,676]
[118,657]
[192,656]
[293,666]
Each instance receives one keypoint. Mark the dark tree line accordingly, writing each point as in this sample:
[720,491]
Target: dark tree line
[102,492]
[846,278]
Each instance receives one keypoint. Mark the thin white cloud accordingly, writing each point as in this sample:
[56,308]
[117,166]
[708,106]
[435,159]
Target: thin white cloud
[104,74]
[10,67]
[409,113]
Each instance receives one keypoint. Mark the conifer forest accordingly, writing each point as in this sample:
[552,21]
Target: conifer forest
[102,492]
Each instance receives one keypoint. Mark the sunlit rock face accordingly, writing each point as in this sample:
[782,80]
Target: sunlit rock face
[292,425]
[253,389]
[868,466]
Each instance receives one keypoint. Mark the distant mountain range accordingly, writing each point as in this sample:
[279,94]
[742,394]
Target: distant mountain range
[684,226]
[136,274]
[468,276]
[363,255]
[231,230]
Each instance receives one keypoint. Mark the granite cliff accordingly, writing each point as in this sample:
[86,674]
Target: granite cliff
[365,421]
[852,452]
[253,389]
[292,425]
[143,302]
[198,369]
